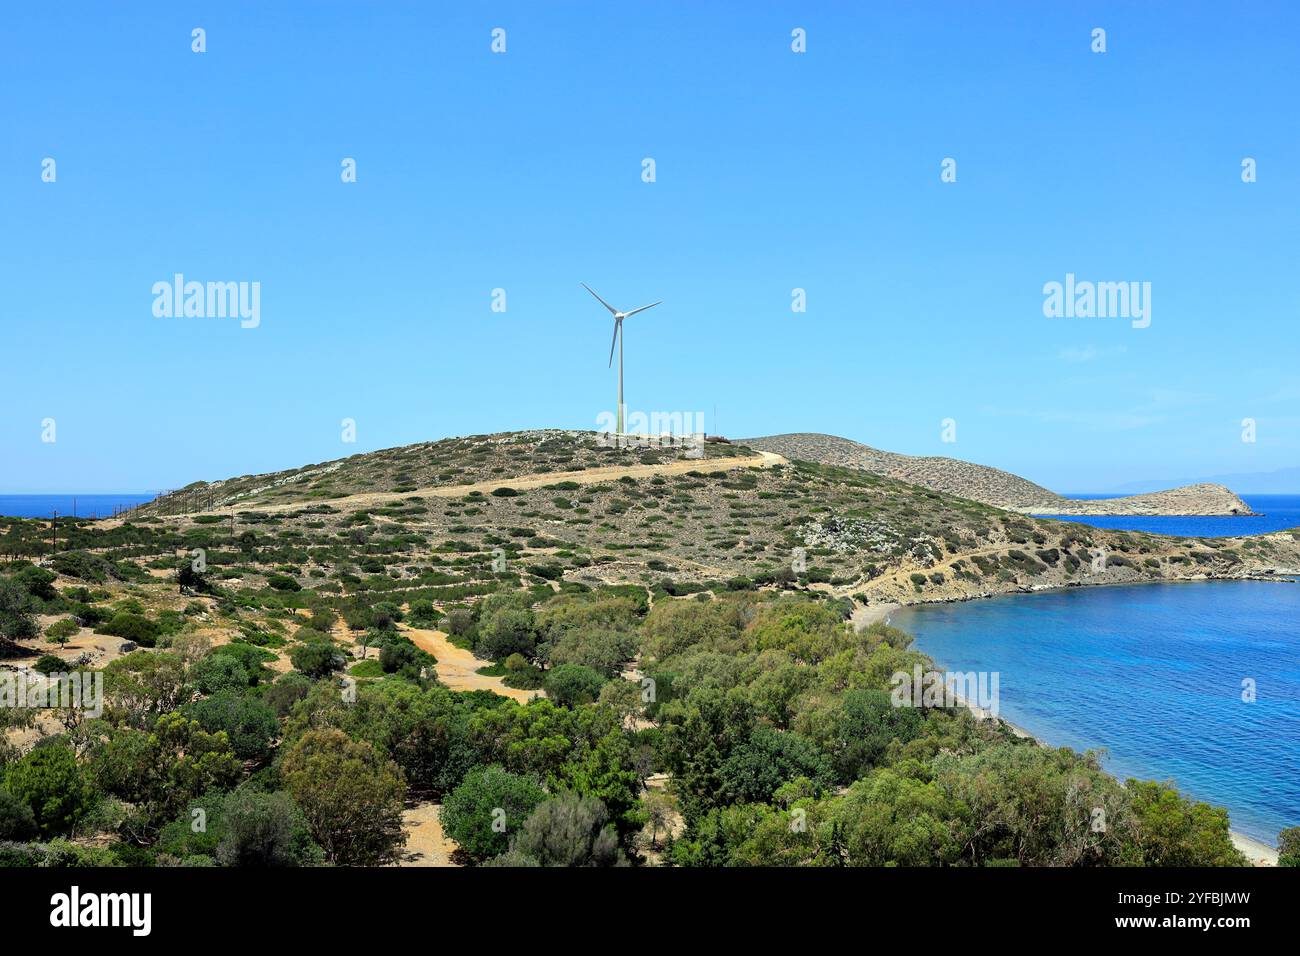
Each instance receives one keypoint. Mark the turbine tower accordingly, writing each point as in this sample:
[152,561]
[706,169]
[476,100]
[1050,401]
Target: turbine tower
[618,340]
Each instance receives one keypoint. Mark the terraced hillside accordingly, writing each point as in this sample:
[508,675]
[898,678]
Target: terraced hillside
[689,526]
[993,486]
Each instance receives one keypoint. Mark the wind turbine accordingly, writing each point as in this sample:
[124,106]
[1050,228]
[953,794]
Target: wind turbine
[618,340]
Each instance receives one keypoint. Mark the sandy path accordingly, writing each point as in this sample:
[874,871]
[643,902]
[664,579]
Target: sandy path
[458,668]
[588,476]
[426,844]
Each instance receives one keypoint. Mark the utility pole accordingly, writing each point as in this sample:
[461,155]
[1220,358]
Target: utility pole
[54,532]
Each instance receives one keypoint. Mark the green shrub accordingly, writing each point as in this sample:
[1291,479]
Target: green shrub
[571,685]
[17,822]
[49,664]
[83,565]
[287,690]
[367,669]
[132,627]
[218,672]
[49,780]
[424,613]
[489,805]
[1288,847]
[317,658]
[248,723]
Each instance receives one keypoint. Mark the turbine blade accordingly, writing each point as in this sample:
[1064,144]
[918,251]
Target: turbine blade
[628,315]
[613,342]
[612,310]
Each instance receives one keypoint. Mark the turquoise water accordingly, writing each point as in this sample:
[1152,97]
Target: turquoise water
[1275,513]
[1153,673]
[86,506]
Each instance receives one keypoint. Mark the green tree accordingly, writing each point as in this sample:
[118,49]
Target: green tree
[191,581]
[287,690]
[17,622]
[143,685]
[162,770]
[17,822]
[1288,847]
[892,819]
[755,768]
[317,658]
[567,830]
[571,685]
[424,613]
[489,804]
[607,772]
[352,797]
[508,631]
[61,631]
[248,723]
[424,731]
[264,829]
[49,780]
[218,672]
[1176,831]
[659,809]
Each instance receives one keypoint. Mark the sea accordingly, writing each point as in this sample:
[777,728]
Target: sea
[1156,674]
[83,506]
[1274,513]
[1195,682]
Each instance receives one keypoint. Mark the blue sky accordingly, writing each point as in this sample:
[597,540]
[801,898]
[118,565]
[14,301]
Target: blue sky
[522,171]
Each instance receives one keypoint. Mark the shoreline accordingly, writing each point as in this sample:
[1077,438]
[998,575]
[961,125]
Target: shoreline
[1256,851]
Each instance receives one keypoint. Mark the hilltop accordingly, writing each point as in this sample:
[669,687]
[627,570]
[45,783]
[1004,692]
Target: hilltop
[450,462]
[993,486]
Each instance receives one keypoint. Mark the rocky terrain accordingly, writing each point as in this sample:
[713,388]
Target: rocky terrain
[739,522]
[993,486]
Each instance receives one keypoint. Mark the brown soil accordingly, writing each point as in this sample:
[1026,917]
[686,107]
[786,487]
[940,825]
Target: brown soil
[458,668]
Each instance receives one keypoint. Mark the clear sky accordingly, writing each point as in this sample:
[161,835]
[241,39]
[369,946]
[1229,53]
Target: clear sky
[523,171]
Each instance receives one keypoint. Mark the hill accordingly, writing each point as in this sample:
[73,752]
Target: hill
[560,506]
[993,486]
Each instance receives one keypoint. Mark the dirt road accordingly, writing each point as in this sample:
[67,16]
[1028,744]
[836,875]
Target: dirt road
[458,668]
[589,476]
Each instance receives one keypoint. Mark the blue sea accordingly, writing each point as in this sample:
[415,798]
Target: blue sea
[1275,513]
[1153,673]
[84,506]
